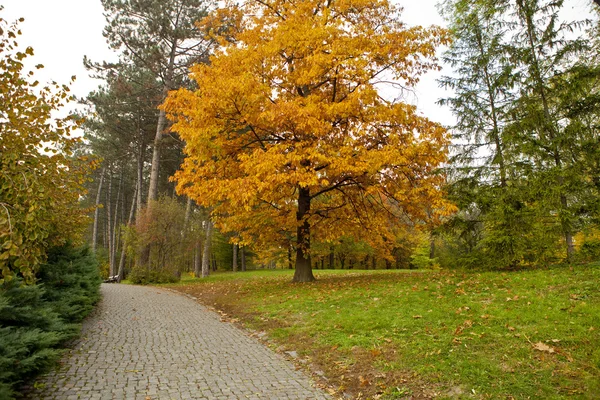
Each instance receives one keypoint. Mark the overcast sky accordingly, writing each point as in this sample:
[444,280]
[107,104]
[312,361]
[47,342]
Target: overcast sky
[63,31]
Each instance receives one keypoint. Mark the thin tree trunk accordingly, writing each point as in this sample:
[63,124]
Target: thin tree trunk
[160,127]
[198,259]
[243,256]
[121,273]
[206,252]
[235,257]
[115,242]
[97,211]
[303,272]
[290,264]
[140,176]
[374,261]
[111,268]
[186,220]
[331,258]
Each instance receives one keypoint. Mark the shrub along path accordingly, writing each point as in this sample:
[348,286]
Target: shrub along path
[148,343]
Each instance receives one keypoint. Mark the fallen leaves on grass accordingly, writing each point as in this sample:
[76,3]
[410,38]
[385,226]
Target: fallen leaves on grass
[543,347]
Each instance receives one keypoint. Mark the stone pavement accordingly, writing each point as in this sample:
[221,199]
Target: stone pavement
[148,343]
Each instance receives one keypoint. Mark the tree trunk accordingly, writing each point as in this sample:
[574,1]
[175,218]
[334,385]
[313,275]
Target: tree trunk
[374,261]
[186,220]
[160,127]
[140,178]
[331,258]
[198,259]
[243,251]
[97,211]
[121,273]
[113,253]
[303,271]
[111,266]
[206,252]
[235,257]
[290,264]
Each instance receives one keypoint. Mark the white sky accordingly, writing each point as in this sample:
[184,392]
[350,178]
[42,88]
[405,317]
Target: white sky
[63,31]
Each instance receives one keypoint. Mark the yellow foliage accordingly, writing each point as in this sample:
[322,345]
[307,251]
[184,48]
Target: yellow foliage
[40,178]
[289,106]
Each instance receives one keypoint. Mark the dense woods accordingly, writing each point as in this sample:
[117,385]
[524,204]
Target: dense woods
[279,138]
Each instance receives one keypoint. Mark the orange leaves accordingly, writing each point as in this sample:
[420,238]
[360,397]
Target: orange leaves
[290,101]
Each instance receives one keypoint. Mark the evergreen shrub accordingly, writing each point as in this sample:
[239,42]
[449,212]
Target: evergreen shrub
[36,320]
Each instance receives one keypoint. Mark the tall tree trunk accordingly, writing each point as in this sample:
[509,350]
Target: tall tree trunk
[154,169]
[160,127]
[303,272]
[290,264]
[243,255]
[374,261]
[234,266]
[111,267]
[206,252]
[186,220]
[121,273]
[97,211]
[113,253]
[431,247]
[140,176]
[331,258]
[198,259]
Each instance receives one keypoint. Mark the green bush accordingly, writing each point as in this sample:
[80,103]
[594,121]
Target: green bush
[71,281]
[35,320]
[144,276]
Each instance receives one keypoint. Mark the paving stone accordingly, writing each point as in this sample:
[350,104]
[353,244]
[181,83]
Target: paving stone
[149,343]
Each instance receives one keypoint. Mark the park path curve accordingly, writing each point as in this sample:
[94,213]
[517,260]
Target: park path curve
[148,343]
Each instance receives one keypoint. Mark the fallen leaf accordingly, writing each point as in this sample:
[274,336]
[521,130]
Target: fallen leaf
[540,346]
[375,352]
[363,382]
[417,316]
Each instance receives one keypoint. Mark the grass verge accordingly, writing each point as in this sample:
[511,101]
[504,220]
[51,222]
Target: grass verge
[425,334]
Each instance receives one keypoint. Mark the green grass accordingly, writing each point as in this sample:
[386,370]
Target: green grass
[528,334]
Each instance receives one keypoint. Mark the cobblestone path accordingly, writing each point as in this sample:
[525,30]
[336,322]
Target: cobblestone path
[148,343]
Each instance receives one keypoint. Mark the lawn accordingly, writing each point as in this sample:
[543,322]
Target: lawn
[397,334]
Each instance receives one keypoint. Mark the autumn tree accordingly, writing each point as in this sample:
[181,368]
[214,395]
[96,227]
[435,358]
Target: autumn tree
[289,135]
[40,178]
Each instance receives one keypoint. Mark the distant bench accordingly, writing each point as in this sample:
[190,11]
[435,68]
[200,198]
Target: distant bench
[112,279]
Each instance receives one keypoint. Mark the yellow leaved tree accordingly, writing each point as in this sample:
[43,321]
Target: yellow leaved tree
[288,138]
[41,180]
